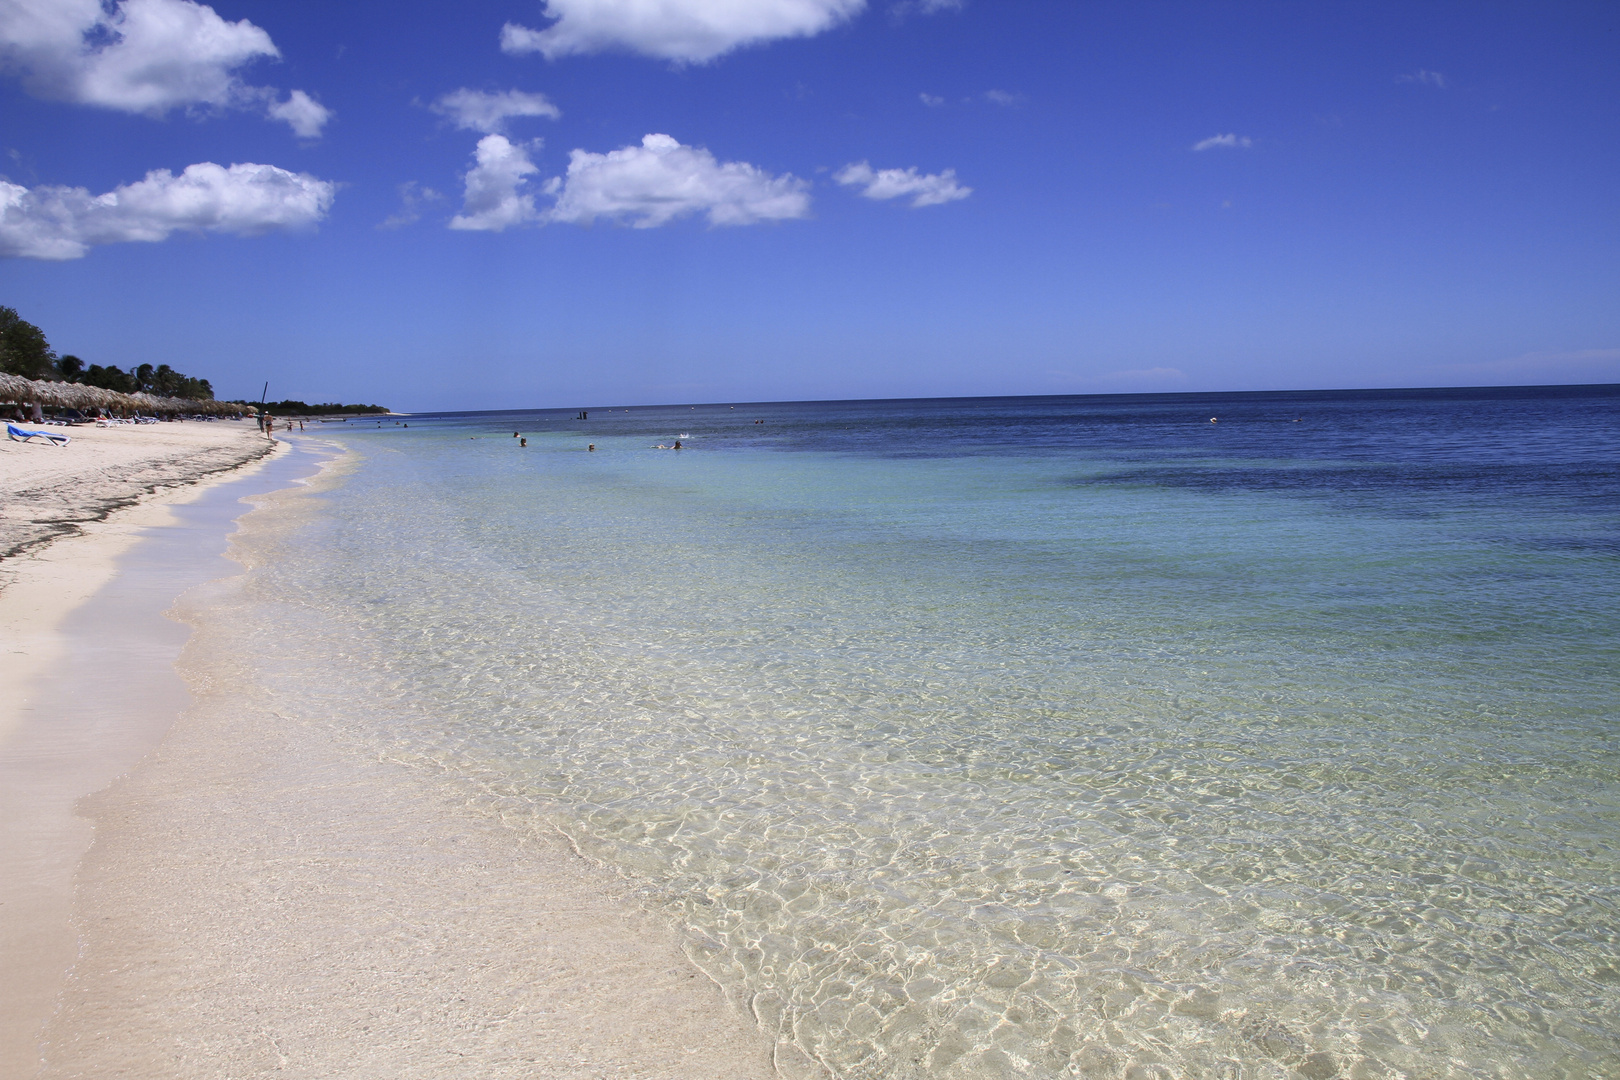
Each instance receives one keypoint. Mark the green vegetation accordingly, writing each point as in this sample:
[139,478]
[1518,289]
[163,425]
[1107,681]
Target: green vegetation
[329,408]
[23,348]
[162,380]
[25,351]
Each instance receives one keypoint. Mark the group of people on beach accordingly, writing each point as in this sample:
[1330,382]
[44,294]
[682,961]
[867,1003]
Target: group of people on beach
[267,424]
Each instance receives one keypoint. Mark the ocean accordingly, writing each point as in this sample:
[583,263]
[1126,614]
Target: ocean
[1204,735]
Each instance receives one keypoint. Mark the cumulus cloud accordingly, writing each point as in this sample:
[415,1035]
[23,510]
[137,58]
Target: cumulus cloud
[1431,78]
[495,198]
[661,180]
[930,189]
[1224,142]
[143,56]
[50,222]
[931,100]
[302,113]
[646,186]
[1003,97]
[478,110]
[685,31]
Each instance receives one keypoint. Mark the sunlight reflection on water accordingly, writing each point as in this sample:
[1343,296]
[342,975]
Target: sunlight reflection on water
[1273,757]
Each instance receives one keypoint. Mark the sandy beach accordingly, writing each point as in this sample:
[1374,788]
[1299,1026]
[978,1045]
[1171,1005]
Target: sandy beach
[53,492]
[198,880]
[68,518]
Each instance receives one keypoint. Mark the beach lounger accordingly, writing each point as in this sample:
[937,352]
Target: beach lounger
[55,438]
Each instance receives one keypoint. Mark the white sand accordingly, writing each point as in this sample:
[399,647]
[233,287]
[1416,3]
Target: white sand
[48,492]
[95,498]
[261,898]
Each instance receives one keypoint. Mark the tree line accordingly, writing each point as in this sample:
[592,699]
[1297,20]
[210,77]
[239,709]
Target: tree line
[25,351]
[299,408]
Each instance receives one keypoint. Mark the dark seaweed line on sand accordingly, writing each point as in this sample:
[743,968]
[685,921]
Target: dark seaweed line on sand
[23,534]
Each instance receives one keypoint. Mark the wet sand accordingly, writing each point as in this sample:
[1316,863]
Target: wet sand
[250,894]
[70,519]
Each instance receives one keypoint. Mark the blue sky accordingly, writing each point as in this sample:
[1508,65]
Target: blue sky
[513,204]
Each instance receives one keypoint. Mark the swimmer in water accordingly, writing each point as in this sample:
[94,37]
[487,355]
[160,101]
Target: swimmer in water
[677,445]
[591,448]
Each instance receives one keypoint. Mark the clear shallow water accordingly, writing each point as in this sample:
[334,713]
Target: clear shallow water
[1034,737]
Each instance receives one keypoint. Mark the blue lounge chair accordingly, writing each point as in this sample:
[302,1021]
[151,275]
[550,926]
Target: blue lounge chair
[55,438]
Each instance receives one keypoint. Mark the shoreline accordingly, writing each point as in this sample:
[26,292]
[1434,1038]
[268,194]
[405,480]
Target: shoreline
[109,470]
[56,589]
[252,895]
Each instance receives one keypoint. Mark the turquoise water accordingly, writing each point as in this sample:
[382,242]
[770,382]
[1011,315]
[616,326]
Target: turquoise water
[1033,737]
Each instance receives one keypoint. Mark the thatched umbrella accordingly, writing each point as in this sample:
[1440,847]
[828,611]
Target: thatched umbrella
[98,398]
[29,392]
[14,389]
[79,396]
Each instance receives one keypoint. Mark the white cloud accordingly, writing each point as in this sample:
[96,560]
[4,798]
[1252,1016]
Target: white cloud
[51,222]
[929,189]
[647,185]
[1224,142]
[302,113]
[1432,78]
[1003,97]
[661,180]
[478,110]
[142,56]
[495,199]
[686,31]
[931,100]
[412,197]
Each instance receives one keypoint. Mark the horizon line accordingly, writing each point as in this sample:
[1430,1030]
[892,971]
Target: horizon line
[1415,390]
